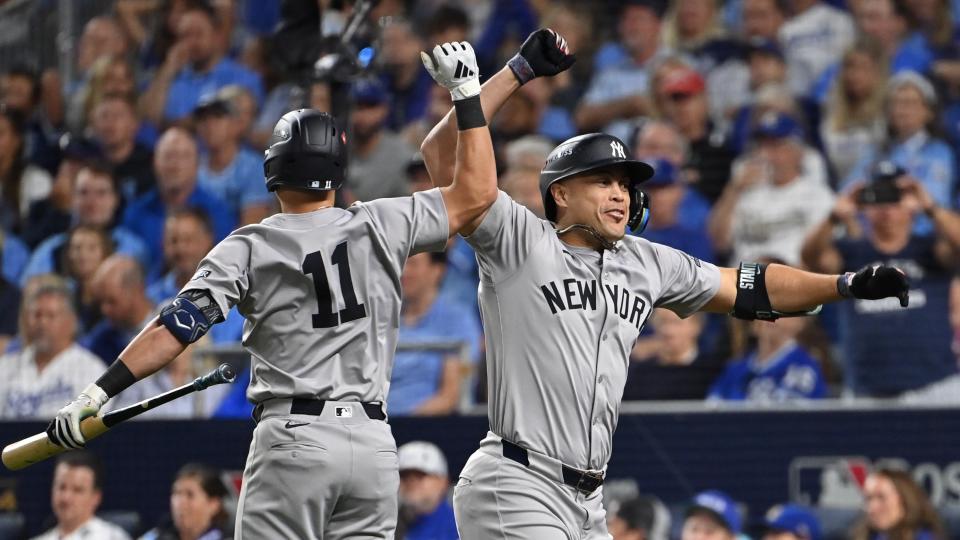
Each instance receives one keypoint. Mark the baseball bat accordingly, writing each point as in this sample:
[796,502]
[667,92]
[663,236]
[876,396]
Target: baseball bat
[38,447]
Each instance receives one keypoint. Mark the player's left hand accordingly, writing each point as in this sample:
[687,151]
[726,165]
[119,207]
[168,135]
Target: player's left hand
[64,429]
[544,53]
[454,66]
[878,281]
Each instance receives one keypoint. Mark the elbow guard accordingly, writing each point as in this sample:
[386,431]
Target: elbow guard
[190,315]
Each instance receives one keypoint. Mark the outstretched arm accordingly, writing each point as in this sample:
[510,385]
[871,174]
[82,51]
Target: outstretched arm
[543,53]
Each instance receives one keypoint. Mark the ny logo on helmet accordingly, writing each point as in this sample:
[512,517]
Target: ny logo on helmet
[617,150]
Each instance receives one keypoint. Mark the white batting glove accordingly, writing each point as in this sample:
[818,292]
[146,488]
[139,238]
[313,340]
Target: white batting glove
[454,66]
[64,430]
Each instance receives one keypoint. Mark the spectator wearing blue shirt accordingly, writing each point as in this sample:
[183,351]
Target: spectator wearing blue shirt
[427,382]
[118,287]
[14,255]
[194,66]
[778,369]
[407,82]
[187,238]
[95,202]
[667,193]
[115,123]
[227,169]
[175,164]
[870,225]
[425,511]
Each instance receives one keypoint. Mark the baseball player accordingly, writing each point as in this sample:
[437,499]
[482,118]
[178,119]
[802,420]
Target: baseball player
[562,302]
[319,287]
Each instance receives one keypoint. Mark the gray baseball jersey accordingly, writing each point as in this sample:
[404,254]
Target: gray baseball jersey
[321,293]
[560,323]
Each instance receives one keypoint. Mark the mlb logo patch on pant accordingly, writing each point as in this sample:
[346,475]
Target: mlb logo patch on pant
[344,412]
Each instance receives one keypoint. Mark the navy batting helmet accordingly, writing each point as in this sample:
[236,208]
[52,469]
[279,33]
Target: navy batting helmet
[591,152]
[307,151]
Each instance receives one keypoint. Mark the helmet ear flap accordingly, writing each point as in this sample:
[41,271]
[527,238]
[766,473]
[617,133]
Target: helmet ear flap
[639,210]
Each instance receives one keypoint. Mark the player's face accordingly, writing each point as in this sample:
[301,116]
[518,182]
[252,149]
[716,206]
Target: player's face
[192,509]
[600,200]
[94,199]
[882,502]
[74,499]
[701,527]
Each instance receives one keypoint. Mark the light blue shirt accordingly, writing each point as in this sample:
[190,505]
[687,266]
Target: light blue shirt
[417,374]
[189,86]
[43,259]
[15,257]
[239,185]
[619,80]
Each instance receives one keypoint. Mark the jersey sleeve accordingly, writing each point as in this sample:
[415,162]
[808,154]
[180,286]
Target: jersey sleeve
[505,237]
[687,282]
[224,272]
[412,224]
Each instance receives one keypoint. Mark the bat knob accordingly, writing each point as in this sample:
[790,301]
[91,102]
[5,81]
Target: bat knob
[227,372]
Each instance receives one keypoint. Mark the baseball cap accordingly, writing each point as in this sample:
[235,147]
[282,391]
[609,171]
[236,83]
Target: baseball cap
[761,45]
[369,91]
[718,505]
[213,105]
[795,519]
[664,173]
[776,125]
[422,456]
[683,81]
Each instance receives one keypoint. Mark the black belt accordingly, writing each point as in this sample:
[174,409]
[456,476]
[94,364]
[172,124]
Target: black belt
[582,480]
[314,407]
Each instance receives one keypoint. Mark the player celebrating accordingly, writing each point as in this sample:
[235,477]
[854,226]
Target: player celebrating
[320,290]
[562,302]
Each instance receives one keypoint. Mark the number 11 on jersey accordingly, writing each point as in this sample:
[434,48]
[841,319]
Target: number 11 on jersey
[326,317]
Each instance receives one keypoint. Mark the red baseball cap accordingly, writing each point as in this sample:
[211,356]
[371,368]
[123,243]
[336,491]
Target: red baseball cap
[683,81]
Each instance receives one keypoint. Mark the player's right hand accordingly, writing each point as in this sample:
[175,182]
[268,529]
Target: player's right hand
[454,66]
[544,53]
[64,429]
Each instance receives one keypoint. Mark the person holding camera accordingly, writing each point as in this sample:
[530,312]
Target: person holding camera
[889,350]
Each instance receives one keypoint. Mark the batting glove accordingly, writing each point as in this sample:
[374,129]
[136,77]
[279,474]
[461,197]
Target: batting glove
[544,52]
[875,282]
[64,430]
[454,66]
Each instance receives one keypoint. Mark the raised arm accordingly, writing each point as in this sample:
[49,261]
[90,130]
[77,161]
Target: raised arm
[543,53]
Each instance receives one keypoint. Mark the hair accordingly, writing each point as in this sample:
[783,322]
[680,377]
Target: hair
[206,9]
[93,93]
[196,214]
[927,92]
[27,72]
[845,114]
[101,167]
[87,459]
[940,31]
[103,235]
[60,290]
[671,32]
[447,16]
[918,512]
[11,180]
[210,483]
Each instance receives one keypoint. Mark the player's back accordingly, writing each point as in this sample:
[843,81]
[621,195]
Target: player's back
[320,292]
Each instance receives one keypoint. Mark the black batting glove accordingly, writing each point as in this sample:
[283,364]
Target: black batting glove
[544,53]
[875,282]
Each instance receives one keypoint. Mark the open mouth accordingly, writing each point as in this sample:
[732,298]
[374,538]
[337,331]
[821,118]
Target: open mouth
[616,214]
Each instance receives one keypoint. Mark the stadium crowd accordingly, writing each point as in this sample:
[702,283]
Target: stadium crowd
[821,134]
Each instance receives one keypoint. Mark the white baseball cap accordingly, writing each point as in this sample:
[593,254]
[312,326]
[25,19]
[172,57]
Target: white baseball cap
[422,456]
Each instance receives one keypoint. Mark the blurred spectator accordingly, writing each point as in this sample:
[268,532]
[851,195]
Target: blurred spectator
[155,37]
[425,511]
[667,226]
[685,106]
[102,36]
[670,365]
[712,516]
[813,38]
[37,380]
[245,108]
[618,92]
[227,169]
[408,84]
[118,286]
[771,203]
[762,19]
[640,518]
[417,175]
[575,22]
[193,67]
[777,370]
[114,124]
[10,300]
[935,21]
[439,105]
[520,116]
[911,118]
[427,382]
[175,164]
[377,155]
[895,506]
[84,249]
[110,75]
[14,255]
[257,56]
[875,335]
[21,91]
[524,159]
[197,507]
[76,494]
[690,24]
[791,522]
[20,182]
[94,204]
[853,121]
[187,238]
[448,23]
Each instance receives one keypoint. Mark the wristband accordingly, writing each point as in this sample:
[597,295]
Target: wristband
[521,69]
[843,284]
[469,113]
[116,378]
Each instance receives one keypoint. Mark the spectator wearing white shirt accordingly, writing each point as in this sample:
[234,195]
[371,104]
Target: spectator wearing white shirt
[812,39]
